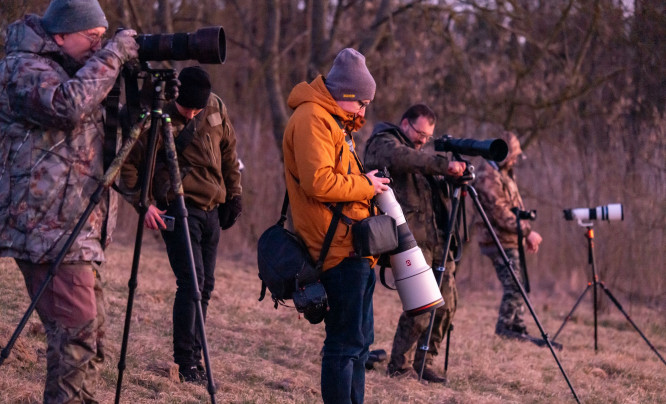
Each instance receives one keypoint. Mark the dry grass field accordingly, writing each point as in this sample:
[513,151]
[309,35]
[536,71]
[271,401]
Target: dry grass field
[262,355]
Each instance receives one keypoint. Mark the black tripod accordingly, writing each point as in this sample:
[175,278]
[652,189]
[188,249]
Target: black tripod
[463,188]
[589,234]
[162,121]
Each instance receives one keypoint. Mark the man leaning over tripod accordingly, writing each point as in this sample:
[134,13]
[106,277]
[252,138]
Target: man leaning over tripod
[422,194]
[498,194]
[206,144]
[53,79]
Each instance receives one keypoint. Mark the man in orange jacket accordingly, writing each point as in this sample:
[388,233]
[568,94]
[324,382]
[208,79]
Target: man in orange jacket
[321,170]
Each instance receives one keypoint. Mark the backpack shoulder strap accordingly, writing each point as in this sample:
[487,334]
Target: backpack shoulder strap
[186,134]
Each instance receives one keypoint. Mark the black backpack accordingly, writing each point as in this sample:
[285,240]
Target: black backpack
[287,270]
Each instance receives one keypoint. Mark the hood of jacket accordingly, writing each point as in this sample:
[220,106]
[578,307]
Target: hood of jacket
[317,92]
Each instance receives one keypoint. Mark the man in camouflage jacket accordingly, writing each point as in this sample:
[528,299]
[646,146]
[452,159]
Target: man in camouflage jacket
[421,192]
[498,194]
[211,181]
[52,81]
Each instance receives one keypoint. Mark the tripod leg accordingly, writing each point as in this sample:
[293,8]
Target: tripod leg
[425,348]
[143,208]
[568,317]
[177,186]
[95,198]
[448,342]
[619,306]
[439,273]
[475,198]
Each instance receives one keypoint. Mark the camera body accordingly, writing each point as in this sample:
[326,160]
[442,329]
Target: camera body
[611,212]
[493,149]
[311,300]
[524,214]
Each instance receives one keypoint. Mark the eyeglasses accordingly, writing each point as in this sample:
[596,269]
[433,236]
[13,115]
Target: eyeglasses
[421,134]
[362,105]
[93,39]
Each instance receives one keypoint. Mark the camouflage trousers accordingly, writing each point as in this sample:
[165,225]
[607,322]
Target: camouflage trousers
[512,307]
[411,333]
[72,311]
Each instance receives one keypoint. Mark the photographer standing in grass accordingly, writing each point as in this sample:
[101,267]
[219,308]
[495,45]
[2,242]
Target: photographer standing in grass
[206,144]
[322,169]
[422,193]
[498,195]
[52,82]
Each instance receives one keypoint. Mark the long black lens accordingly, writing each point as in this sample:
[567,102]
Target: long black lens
[493,149]
[206,45]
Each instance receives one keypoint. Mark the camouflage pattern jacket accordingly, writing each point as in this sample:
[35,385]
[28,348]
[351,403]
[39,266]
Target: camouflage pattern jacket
[416,180]
[51,135]
[498,193]
[208,165]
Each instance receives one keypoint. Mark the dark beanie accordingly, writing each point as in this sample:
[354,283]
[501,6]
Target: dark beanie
[349,78]
[194,88]
[66,16]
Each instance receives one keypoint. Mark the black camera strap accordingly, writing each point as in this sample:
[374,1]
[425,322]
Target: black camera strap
[521,251]
[186,135]
[337,215]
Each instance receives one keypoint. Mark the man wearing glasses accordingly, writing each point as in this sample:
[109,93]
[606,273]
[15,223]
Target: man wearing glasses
[420,189]
[52,83]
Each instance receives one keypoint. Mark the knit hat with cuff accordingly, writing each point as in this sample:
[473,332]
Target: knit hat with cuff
[67,16]
[349,78]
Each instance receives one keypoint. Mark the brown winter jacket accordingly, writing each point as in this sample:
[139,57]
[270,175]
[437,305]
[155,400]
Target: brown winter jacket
[498,193]
[320,169]
[208,165]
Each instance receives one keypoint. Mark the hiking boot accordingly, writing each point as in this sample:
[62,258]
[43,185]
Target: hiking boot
[406,373]
[192,374]
[431,376]
[376,356]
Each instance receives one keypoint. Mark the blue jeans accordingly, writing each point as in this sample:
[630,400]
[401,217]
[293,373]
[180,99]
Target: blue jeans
[349,330]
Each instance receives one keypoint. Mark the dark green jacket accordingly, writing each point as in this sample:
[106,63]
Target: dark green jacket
[416,177]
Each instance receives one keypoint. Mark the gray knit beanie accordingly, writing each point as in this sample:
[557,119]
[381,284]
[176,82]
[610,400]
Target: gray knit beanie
[349,78]
[66,16]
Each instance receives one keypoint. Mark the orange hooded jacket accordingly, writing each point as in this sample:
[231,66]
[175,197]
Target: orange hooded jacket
[320,169]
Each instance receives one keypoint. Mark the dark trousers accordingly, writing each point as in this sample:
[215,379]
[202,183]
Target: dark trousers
[205,234]
[349,330]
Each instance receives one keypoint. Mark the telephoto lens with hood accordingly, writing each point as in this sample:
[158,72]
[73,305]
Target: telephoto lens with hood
[493,149]
[206,45]
[414,279]
[612,212]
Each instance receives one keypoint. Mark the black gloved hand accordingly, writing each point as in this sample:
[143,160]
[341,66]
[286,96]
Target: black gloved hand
[230,211]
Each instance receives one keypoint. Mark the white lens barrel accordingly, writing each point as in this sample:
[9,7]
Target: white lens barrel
[414,279]
[389,205]
[581,213]
[611,211]
[415,282]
